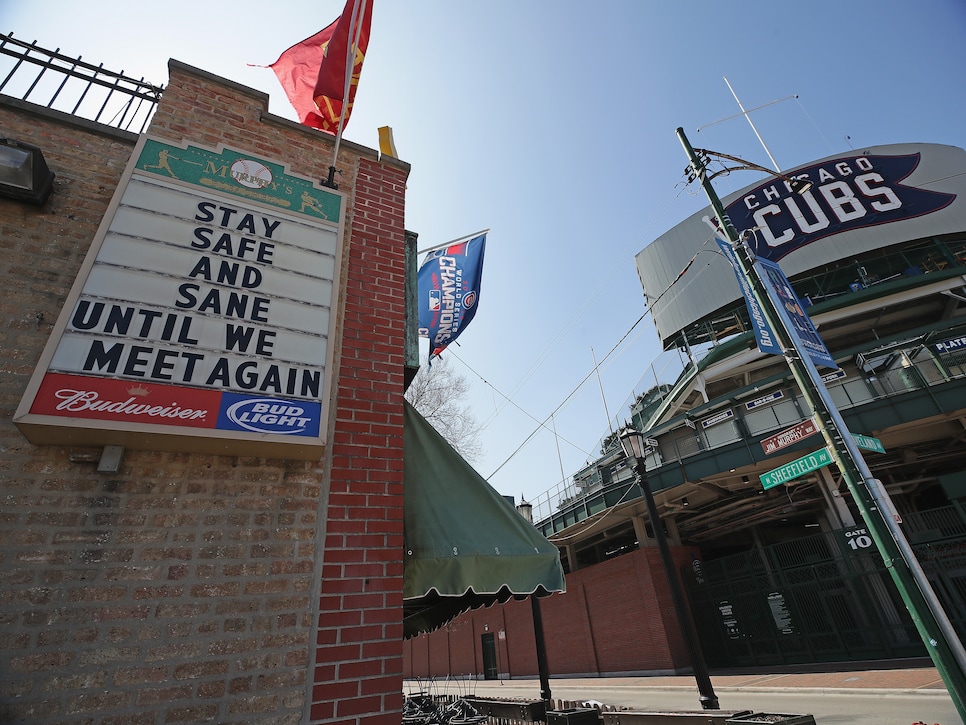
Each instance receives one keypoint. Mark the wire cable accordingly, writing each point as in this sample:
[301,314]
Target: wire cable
[569,396]
[514,404]
[610,353]
[595,524]
[579,312]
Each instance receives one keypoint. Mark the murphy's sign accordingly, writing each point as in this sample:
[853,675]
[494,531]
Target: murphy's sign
[847,193]
[203,314]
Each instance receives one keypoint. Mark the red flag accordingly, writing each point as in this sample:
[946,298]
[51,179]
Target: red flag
[313,72]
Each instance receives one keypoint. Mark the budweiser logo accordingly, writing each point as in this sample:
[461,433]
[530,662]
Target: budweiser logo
[138,390]
[75,401]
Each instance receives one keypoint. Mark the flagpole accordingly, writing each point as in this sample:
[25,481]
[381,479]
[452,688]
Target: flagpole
[349,67]
[455,241]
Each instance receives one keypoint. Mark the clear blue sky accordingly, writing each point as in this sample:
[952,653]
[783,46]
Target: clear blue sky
[552,123]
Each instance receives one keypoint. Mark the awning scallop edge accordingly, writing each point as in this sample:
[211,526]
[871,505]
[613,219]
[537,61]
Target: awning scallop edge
[465,545]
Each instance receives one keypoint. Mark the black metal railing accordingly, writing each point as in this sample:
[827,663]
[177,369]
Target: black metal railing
[71,85]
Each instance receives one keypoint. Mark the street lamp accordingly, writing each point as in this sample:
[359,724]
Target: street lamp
[870,497]
[635,447]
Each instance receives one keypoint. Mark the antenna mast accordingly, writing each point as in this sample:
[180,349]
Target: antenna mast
[750,123]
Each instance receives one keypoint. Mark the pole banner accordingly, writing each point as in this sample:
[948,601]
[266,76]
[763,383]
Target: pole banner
[801,322]
[763,332]
[449,290]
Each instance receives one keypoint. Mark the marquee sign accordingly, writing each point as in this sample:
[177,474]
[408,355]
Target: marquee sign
[202,317]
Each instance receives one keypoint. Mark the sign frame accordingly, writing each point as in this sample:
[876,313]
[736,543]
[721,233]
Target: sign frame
[243,181]
[790,436]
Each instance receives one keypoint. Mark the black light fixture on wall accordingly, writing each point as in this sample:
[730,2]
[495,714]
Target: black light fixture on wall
[24,174]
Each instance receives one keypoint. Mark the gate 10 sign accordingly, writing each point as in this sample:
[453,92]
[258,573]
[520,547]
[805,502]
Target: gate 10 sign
[857,539]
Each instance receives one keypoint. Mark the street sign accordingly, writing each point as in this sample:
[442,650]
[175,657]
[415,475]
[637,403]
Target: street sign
[764,400]
[789,436]
[868,443]
[796,468]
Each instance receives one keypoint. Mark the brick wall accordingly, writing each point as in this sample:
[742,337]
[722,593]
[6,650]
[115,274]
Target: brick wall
[359,653]
[189,587]
[616,616]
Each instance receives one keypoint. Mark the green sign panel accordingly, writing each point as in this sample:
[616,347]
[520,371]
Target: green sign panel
[240,175]
[796,468]
[812,461]
[868,443]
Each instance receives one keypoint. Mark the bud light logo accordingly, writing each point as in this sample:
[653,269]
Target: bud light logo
[269,415]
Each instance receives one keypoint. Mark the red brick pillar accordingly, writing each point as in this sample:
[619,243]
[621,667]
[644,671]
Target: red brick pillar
[358,673]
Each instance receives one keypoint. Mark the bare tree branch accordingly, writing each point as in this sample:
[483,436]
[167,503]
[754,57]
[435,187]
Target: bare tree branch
[438,393]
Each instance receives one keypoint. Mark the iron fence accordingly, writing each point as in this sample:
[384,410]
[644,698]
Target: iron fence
[71,85]
[826,597]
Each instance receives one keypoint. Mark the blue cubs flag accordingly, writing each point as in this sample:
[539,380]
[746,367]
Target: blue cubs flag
[801,323]
[449,291]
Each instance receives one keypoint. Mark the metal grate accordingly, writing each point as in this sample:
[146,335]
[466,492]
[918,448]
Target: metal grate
[56,81]
[820,599]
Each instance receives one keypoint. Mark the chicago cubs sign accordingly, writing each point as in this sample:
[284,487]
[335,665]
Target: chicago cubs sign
[859,202]
[847,193]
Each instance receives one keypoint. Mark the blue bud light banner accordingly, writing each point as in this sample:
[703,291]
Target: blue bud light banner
[449,291]
[764,335]
[801,323]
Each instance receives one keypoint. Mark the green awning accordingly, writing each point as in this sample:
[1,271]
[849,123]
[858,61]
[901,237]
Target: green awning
[466,546]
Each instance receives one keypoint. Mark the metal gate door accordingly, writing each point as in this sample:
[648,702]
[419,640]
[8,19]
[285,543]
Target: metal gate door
[822,598]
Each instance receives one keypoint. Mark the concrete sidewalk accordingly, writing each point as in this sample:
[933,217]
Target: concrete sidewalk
[870,694]
[874,679]
[924,680]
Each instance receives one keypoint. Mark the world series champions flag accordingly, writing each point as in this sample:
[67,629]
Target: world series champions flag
[449,290]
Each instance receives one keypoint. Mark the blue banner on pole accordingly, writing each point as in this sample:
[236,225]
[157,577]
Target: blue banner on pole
[449,291]
[801,322]
[763,332]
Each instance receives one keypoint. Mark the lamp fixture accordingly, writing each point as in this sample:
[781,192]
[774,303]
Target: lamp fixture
[632,441]
[24,174]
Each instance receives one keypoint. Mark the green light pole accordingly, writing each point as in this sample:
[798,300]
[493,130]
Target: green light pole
[934,627]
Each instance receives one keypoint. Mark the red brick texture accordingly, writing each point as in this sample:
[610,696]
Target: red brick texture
[616,616]
[189,587]
[362,578]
